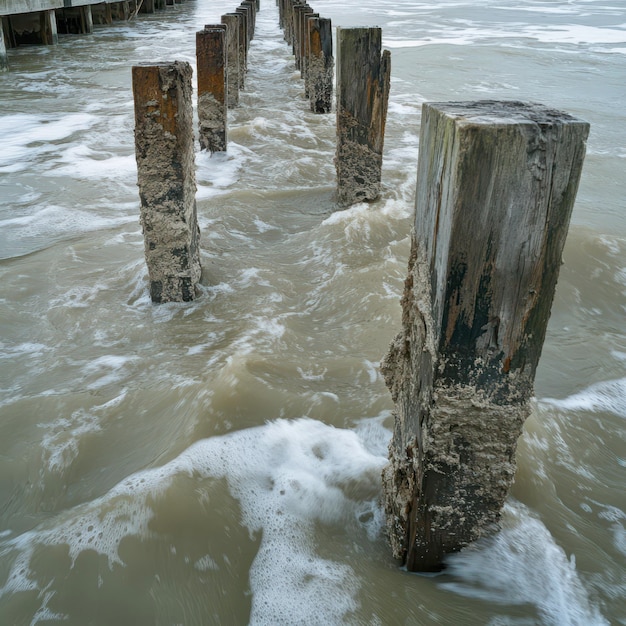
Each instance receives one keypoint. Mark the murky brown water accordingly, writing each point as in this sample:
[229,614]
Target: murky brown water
[218,462]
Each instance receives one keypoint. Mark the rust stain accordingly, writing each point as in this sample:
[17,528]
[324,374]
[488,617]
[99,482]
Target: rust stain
[210,46]
[152,98]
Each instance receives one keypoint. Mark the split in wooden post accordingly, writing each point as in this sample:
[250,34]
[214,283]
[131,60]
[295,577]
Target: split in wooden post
[496,184]
[211,75]
[363,77]
[166,178]
[231,20]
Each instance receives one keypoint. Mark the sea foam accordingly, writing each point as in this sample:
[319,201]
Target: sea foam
[287,475]
[603,396]
[522,564]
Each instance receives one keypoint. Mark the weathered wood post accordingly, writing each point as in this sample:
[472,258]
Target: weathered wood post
[319,78]
[166,178]
[231,20]
[496,184]
[101,14]
[281,13]
[287,19]
[4,61]
[147,6]
[304,44]
[252,17]
[363,77]
[74,20]
[120,11]
[298,9]
[211,75]
[290,8]
[244,21]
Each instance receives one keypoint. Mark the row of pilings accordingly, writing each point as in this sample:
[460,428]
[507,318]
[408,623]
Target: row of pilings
[496,184]
[44,26]
[363,79]
[222,59]
[164,145]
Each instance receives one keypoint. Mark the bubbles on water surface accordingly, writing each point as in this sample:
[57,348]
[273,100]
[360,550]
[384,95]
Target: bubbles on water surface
[287,475]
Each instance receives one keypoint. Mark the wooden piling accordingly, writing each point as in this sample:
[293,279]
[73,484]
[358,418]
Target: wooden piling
[166,178]
[147,6]
[298,10]
[320,63]
[243,14]
[4,61]
[304,43]
[363,77]
[251,5]
[281,13]
[49,33]
[231,20]
[101,13]
[74,20]
[211,76]
[120,11]
[496,184]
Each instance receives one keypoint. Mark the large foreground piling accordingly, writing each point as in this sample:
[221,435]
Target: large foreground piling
[231,21]
[166,178]
[211,74]
[319,76]
[363,77]
[496,184]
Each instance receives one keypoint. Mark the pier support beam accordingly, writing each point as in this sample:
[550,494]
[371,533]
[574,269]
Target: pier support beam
[363,77]
[75,20]
[166,178]
[147,6]
[496,184]
[30,28]
[211,73]
[101,14]
[120,11]
[49,28]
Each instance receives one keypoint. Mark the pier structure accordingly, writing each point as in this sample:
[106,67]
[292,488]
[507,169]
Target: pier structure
[42,21]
